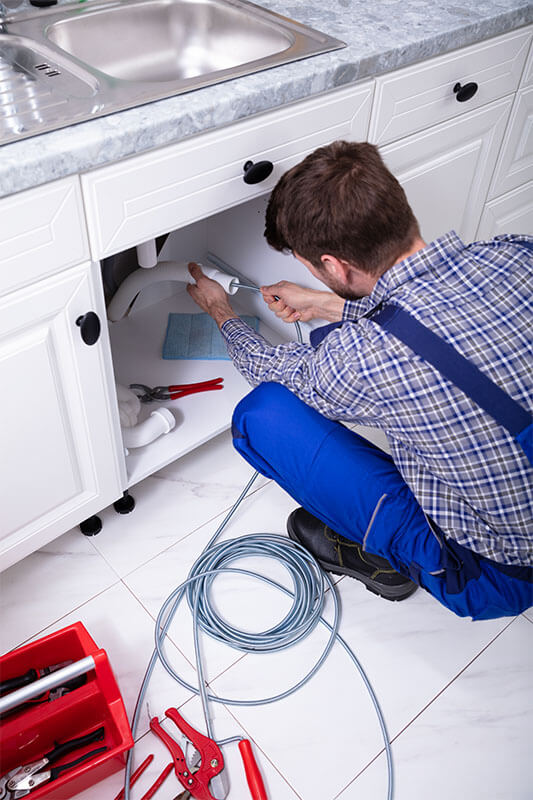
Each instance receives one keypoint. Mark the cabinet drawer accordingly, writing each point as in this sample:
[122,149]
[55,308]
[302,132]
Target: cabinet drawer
[158,192]
[44,231]
[422,95]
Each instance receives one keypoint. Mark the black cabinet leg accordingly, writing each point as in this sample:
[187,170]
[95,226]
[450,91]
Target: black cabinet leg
[91,526]
[125,505]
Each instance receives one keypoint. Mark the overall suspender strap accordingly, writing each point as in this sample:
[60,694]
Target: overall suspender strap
[461,372]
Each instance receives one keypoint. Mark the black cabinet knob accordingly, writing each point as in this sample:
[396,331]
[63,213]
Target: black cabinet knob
[89,325]
[466,92]
[255,173]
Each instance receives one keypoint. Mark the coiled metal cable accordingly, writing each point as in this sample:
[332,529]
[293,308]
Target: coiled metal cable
[309,586]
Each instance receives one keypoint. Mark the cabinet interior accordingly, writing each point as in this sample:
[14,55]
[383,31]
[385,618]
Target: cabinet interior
[233,241]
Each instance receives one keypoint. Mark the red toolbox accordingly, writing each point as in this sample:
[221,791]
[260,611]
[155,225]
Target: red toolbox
[32,730]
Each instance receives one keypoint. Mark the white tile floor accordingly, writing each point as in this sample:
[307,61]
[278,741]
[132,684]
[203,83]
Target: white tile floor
[457,696]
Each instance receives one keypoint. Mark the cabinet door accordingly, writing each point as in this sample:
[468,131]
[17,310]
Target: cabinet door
[446,170]
[60,455]
[515,164]
[511,213]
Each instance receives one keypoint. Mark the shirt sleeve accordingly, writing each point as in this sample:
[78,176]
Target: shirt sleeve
[320,377]
[350,310]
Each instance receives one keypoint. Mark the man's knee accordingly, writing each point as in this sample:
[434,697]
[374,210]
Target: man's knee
[267,404]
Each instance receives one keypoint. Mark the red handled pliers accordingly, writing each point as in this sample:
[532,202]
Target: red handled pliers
[148,395]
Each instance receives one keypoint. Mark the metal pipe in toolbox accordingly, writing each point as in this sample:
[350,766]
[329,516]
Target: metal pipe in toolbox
[45,684]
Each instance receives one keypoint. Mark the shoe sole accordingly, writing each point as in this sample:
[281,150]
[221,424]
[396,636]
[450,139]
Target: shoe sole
[394,593]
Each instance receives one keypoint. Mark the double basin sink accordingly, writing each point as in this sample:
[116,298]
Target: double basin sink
[75,62]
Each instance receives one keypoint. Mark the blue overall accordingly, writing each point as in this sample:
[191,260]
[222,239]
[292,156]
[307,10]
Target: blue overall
[356,489]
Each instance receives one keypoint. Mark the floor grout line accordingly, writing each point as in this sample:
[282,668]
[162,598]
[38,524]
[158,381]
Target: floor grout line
[66,614]
[219,514]
[261,750]
[430,703]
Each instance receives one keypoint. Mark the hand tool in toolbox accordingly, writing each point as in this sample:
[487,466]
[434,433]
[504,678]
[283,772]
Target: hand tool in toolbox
[30,676]
[207,763]
[24,779]
[146,394]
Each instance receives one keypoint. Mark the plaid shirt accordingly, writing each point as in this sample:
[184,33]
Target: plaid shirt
[465,470]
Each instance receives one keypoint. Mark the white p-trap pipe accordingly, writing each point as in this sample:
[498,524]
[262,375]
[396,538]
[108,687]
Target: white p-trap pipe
[164,271]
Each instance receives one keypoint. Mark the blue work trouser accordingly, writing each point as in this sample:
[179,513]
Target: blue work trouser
[355,488]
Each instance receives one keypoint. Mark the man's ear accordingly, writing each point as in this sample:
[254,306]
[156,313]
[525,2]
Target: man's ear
[335,267]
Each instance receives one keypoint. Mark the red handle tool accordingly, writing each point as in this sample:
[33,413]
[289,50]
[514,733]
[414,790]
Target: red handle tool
[253,776]
[212,761]
[182,389]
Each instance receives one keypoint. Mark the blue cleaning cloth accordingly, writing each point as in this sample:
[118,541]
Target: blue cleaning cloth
[196,336]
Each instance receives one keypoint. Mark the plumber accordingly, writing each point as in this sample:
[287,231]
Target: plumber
[430,343]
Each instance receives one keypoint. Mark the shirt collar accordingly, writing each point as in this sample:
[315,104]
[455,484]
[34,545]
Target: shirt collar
[430,259]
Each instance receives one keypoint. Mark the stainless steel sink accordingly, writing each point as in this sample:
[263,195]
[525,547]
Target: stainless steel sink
[36,89]
[122,53]
[169,40]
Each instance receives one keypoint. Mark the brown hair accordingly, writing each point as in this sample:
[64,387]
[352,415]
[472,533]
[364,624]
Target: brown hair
[341,200]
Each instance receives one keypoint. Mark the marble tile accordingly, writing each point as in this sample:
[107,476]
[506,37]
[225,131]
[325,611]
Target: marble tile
[48,584]
[174,502]
[529,614]
[123,628]
[319,737]
[237,598]
[225,726]
[410,651]
[474,740]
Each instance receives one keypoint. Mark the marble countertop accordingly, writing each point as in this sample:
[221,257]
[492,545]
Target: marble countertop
[381,36]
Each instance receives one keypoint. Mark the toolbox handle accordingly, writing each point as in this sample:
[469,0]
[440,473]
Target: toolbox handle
[52,681]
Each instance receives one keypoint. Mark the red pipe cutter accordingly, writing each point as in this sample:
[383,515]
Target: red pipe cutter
[211,759]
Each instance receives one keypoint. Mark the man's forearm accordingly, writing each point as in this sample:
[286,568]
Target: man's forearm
[221,312]
[330,307]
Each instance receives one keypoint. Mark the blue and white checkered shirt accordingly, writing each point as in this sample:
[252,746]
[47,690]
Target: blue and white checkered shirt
[465,470]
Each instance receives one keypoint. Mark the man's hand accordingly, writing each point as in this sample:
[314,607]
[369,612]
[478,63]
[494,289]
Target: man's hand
[210,296]
[293,303]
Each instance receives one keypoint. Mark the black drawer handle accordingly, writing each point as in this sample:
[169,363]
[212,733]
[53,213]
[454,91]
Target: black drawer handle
[255,173]
[466,92]
[89,325]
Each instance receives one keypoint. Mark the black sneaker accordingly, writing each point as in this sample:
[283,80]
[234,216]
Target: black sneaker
[342,556]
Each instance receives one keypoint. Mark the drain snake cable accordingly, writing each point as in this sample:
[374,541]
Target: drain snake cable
[310,584]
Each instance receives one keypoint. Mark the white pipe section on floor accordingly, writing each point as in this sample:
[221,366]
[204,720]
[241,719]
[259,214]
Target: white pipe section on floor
[159,422]
[164,271]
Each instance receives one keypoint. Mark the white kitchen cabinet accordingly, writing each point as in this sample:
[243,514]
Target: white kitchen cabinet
[511,213]
[446,170]
[157,192]
[510,201]
[62,455]
[43,231]
[418,97]
[58,435]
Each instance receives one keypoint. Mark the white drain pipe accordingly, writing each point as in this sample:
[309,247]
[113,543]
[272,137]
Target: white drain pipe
[165,271]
